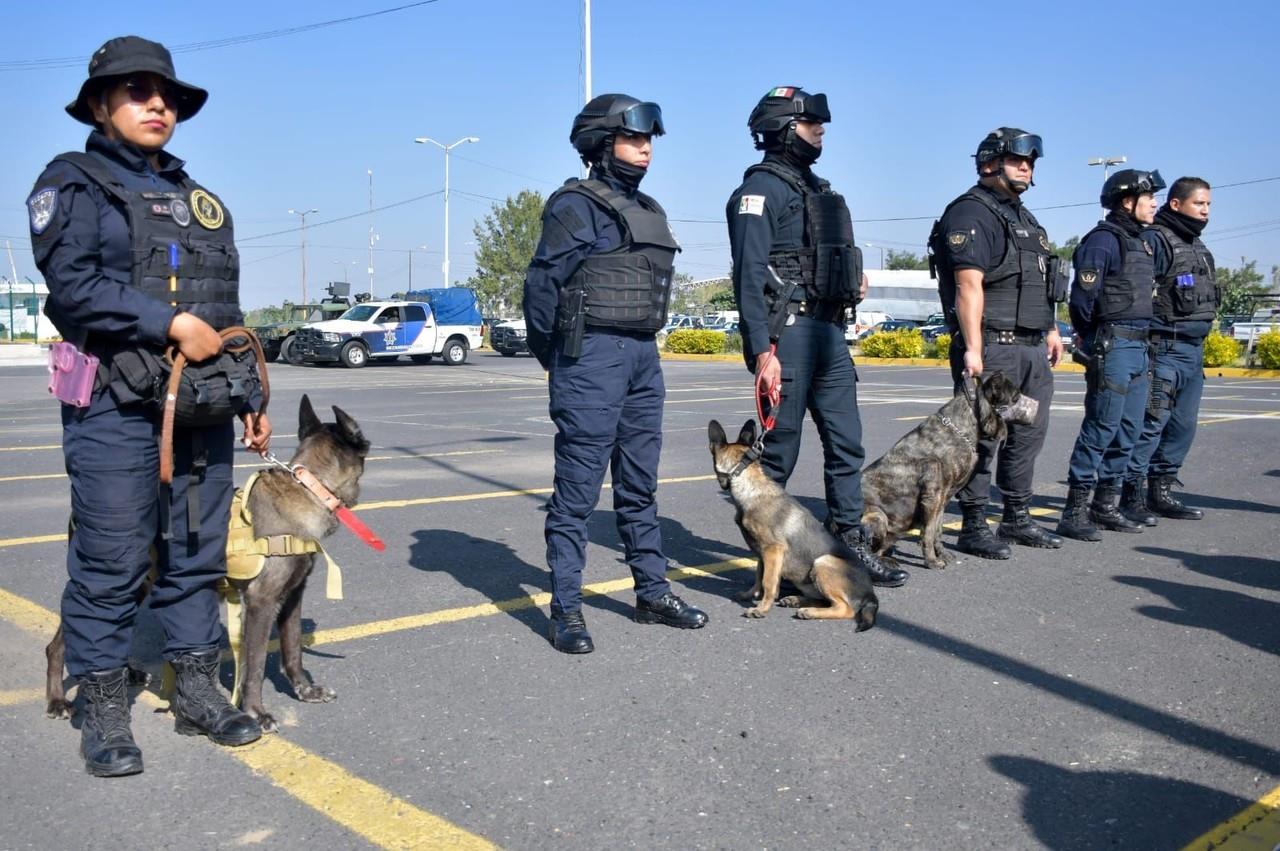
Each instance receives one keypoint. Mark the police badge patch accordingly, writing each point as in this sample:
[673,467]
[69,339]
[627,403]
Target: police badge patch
[1088,277]
[206,209]
[1044,243]
[180,211]
[42,205]
[957,238]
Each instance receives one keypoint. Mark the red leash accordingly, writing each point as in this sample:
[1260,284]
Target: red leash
[308,480]
[772,396]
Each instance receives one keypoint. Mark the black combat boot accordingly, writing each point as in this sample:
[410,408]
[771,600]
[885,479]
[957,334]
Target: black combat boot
[672,611]
[569,632]
[881,574]
[1016,527]
[1133,503]
[1161,500]
[1075,521]
[975,535]
[106,741]
[1104,511]
[200,708]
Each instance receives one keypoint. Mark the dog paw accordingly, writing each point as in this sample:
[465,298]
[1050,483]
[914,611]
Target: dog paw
[316,694]
[790,602]
[59,710]
[266,721]
[755,612]
[804,615]
[748,596]
[938,564]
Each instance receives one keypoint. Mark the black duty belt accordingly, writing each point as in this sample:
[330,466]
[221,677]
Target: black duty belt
[1012,338]
[1175,337]
[1124,332]
[823,311]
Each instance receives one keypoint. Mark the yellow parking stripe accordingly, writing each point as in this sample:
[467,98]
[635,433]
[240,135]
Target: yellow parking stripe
[22,695]
[34,539]
[25,448]
[1255,827]
[468,497]
[28,616]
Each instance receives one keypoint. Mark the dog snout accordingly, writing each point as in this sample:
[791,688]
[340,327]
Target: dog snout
[1022,411]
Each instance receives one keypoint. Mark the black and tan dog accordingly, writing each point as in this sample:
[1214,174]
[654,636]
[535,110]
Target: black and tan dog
[334,453]
[789,542]
[909,487]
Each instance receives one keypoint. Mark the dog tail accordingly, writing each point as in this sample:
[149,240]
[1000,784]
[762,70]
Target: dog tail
[865,611]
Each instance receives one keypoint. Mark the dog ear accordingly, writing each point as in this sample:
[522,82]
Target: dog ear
[308,422]
[715,433]
[349,430]
[748,433]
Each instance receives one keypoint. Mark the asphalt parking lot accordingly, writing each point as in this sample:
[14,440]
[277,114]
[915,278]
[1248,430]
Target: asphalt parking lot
[1120,694]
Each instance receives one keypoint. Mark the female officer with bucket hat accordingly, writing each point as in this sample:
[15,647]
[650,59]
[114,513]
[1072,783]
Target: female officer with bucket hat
[139,257]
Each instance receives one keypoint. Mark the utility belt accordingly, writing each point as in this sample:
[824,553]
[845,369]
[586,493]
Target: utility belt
[1015,337]
[1126,333]
[822,311]
[1174,337]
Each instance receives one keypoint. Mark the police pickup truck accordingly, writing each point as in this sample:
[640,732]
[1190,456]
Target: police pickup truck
[389,329]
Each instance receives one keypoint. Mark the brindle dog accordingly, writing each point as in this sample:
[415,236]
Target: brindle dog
[911,485]
[789,542]
[335,453]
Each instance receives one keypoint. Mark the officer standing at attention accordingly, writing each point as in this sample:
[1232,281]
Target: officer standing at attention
[795,272]
[998,282]
[1186,303]
[595,295]
[102,223]
[1111,312]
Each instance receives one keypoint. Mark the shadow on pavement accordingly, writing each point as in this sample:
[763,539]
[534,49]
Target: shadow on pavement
[1087,810]
[1245,570]
[1241,617]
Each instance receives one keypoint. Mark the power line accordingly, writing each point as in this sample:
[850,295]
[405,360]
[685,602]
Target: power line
[230,41]
[343,218]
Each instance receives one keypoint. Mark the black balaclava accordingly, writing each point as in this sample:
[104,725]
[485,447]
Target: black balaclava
[797,151]
[625,173]
[1181,224]
[1123,219]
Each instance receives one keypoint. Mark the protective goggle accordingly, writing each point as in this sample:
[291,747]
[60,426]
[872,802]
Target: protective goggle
[811,108]
[1027,145]
[1149,181]
[641,119]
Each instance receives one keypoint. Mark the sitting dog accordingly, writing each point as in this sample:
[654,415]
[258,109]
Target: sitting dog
[279,506]
[789,542]
[912,483]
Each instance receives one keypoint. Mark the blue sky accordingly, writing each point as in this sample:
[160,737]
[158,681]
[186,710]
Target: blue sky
[296,121]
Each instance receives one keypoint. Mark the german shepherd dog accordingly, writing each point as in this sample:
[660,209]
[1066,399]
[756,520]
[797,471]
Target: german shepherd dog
[911,484]
[335,453]
[788,542]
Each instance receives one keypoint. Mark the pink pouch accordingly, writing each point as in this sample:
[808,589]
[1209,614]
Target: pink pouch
[71,374]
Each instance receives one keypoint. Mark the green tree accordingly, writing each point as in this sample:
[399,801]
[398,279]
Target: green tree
[904,260]
[505,241]
[1238,287]
[1067,249]
[269,315]
[723,300]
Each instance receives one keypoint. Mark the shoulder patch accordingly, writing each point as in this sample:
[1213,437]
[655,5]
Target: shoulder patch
[42,206]
[957,239]
[1044,243]
[1088,277]
[751,205]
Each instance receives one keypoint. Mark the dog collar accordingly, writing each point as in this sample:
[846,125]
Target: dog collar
[748,458]
[316,488]
[946,421]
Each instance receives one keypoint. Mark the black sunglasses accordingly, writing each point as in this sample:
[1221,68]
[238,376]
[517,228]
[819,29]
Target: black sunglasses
[142,89]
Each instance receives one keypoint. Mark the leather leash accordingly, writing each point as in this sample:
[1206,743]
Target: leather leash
[308,480]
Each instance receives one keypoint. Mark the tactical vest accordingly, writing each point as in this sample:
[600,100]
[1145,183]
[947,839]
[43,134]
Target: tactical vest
[1175,299]
[1019,291]
[195,222]
[628,286]
[1126,295]
[829,265]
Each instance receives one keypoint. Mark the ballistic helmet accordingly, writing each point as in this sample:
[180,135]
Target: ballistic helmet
[779,107]
[607,115]
[1009,141]
[1130,181]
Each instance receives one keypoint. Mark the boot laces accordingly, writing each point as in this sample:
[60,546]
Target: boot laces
[196,684]
[108,705]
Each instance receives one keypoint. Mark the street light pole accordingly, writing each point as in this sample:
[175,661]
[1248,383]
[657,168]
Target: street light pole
[881,247]
[1107,163]
[421,140]
[302,214]
[372,236]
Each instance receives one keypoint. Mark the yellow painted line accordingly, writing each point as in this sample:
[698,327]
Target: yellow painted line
[1240,417]
[252,465]
[22,695]
[354,803]
[1255,827]
[34,539]
[514,604]
[470,497]
[25,448]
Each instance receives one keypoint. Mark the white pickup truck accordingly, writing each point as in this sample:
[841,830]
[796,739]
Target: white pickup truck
[385,330]
[1263,320]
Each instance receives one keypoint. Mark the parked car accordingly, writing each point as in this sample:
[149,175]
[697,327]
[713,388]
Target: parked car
[1068,336]
[389,329]
[509,338]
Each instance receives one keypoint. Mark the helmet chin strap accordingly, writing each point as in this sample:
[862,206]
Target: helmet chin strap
[1016,186]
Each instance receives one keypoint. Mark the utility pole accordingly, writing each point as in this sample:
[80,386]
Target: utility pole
[13,279]
[422,140]
[372,235]
[586,51]
[302,214]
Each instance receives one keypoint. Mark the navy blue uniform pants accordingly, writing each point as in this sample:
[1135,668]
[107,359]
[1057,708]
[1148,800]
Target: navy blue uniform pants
[607,409]
[113,462]
[1028,368]
[1114,401]
[818,376]
[1173,408]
